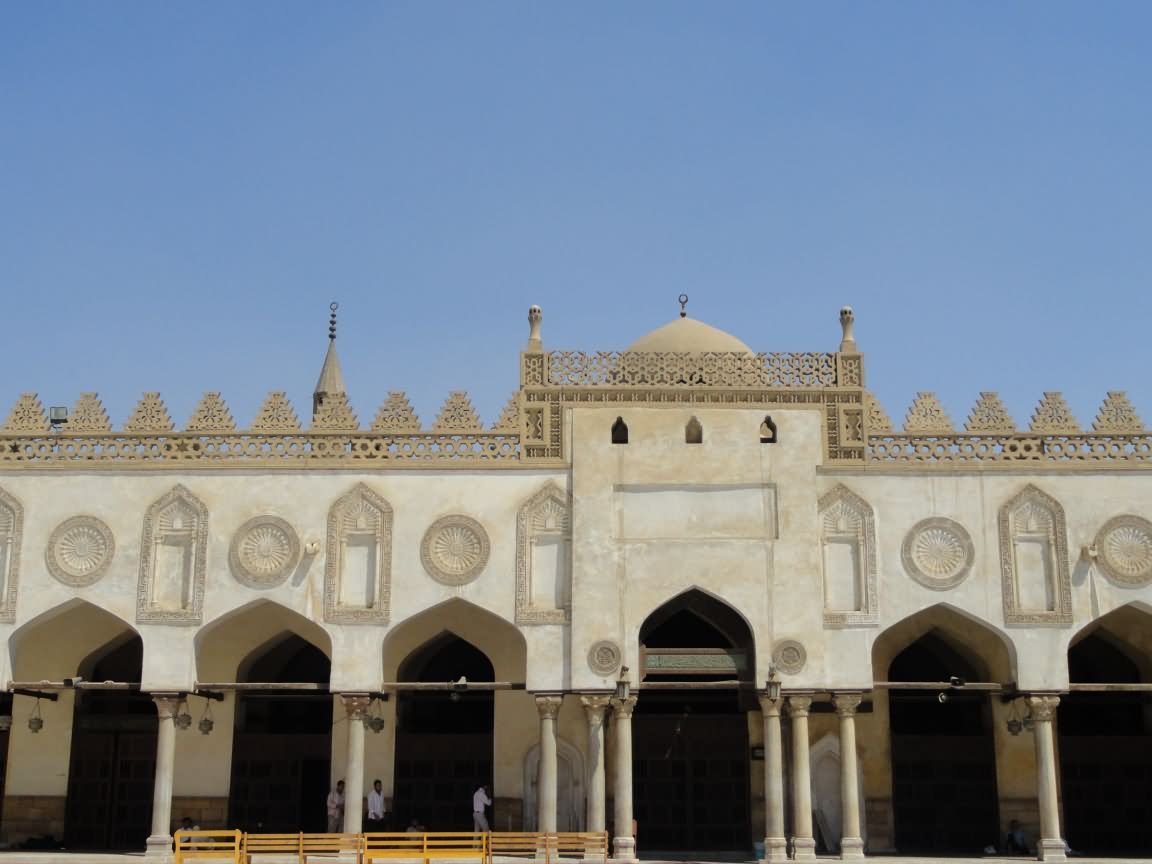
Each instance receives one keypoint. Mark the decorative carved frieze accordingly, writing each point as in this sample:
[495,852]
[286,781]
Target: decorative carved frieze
[335,414]
[990,415]
[878,420]
[604,657]
[1124,550]
[88,415]
[360,536]
[926,416]
[1117,416]
[1036,581]
[26,416]
[457,415]
[455,549]
[674,369]
[509,419]
[544,522]
[150,415]
[789,656]
[938,553]
[276,415]
[211,415]
[173,556]
[80,551]
[11,534]
[1054,417]
[396,415]
[264,552]
[848,540]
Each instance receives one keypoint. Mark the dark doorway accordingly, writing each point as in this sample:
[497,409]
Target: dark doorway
[282,744]
[943,754]
[112,766]
[691,760]
[443,737]
[1105,753]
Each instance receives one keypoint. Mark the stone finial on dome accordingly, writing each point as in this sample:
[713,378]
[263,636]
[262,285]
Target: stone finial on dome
[847,327]
[331,380]
[535,315]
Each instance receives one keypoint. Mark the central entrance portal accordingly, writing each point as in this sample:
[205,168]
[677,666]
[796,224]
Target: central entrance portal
[443,737]
[691,757]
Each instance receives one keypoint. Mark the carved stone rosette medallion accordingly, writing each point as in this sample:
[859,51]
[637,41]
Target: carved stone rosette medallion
[1124,551]
[789,656]
[264,552]
[604,657]
[455,550]
[80,551]
[938,553]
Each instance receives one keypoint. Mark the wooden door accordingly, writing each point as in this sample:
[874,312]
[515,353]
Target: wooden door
[110,781]
[436,776]
[279,782]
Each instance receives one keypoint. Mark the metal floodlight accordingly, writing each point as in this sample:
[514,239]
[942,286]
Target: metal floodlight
[57,416]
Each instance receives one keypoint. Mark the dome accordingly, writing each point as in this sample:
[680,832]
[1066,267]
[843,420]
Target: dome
[689,336]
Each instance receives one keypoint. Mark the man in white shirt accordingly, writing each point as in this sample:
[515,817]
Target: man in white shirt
[480,800]
[336,809]
[377,816]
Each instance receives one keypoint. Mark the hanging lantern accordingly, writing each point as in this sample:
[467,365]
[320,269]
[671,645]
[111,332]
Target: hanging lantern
[183,719]
[206,722]
[35,721]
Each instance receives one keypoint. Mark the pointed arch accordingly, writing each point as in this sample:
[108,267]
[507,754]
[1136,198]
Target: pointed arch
[713,635]
[500,641]
[1127,630]
[570,798]
[358,559]
[619,431]
[173,555]
[53,644]
[848,544]
[1036,581]
[543,558]
[11,532]
[224,643]
[693,432]
[981,644]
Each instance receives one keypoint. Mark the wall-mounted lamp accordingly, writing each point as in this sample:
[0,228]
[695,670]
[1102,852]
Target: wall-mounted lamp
[623,685]
[182,720]
[1018,722]
[772,685]
[206,723]
[35,721]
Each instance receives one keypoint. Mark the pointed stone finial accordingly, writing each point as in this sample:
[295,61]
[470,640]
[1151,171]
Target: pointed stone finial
[457,415]
[989,416]
[211,415]
[926,416]
[88,415]
[396,415]
[509,419]
[27,415]
[878,420]
[1054,417]
[535,315]
[335,415]
[847,334]
[683,301]
[276,415]
[1117,416]
[331,380]
[150,415]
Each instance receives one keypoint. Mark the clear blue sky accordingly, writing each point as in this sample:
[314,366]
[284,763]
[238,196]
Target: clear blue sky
[185,186]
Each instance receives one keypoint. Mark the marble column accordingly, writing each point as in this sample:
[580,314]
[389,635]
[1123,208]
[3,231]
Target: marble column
[803,844]
[594,708]
[624,843]
[548,707]
[775,841]
[356,707]
[159,843]
[1050,846]
[851,844]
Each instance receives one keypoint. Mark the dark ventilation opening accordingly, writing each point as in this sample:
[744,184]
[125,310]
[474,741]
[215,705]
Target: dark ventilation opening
[768,431]
[694,432]
[944,794]
[1106,753]
[619,431]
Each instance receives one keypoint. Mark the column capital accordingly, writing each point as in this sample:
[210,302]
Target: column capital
[1043,707]
[847,703]
[770,707]
[799,706]
[356,704]
[623,708]
[167,704]
[595,704]
[548,704]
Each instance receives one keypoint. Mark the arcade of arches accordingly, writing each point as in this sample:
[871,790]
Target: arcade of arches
[698,751]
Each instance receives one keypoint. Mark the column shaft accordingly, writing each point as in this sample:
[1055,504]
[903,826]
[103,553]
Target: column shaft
[1050,846]
[356,706]
[548,707]
[594,707]
[624,842]
[803,844]
[851,844]
[775,841]
[159,844]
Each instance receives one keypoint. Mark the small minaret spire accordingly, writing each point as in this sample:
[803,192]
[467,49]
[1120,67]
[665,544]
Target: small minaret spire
[535,314]
[847,334]
[683,301]
[331,380]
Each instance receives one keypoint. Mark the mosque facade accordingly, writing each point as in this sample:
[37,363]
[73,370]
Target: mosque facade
[706,599]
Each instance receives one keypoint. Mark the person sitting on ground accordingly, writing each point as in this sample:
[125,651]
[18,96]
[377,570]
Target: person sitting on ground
[1016,842]
[414,826]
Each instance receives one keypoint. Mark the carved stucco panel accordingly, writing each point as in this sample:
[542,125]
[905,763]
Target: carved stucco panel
[845,517]
[364,514]
[11,533]
[938,553]
[548,513]
[264,552]
[1034,515]
[80,551]
[182,518]
[1124,550]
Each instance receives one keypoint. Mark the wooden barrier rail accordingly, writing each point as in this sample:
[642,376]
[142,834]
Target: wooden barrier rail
[437,845]
[218,845]
[550,846]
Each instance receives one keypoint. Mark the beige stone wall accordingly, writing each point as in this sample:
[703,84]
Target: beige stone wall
[27,816]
